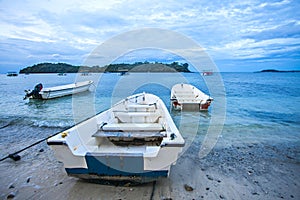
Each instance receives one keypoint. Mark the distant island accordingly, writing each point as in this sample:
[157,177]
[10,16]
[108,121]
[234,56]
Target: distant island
[274,70]
[113,68]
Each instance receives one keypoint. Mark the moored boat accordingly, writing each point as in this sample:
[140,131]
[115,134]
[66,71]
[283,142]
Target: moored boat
[188,97]
[207,73]
[135,140]
[12,74]
[62,74]
[58,91]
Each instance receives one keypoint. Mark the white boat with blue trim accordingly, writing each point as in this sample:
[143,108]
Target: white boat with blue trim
[58,91]
[135,140]
[188,97]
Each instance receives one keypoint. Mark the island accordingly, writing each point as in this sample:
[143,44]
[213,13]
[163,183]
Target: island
[112,68]
[274,70]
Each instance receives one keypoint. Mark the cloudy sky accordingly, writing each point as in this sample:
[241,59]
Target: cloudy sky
[247,35]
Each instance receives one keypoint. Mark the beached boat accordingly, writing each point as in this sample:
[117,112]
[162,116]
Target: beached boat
[188,97]
[58,91]
[135,140]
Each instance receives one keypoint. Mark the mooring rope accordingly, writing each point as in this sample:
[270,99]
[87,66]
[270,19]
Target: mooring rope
[153,190]
[41,140]
[15,153]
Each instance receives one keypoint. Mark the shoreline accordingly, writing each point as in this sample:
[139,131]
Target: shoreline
[260,170]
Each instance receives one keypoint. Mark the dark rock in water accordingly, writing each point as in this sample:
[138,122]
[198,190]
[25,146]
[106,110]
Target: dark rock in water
[222,196]
[28,180]
[41,150]
[11,195]
[168,198]
[11,186]
[207,188]
[188,188]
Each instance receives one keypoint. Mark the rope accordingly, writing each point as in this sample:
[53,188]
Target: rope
[9,155]
[153,190]
[93,84]
[5,126]
[48,94]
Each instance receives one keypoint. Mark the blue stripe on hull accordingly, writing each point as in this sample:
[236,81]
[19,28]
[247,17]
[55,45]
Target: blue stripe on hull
[105,165]
[77,171]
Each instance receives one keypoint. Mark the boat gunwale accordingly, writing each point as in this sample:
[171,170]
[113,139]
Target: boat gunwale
[70,87]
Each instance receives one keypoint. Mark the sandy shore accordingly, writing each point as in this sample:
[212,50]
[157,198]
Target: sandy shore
[238,171]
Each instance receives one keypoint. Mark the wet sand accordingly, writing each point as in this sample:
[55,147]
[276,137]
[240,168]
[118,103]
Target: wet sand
[236,171]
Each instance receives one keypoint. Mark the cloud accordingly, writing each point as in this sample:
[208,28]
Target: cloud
[250,29]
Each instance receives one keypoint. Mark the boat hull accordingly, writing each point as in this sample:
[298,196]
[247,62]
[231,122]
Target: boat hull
[50,94]
[90,150]
[58,91]
[189,98]
[133,167]
[190,106]
[116,168]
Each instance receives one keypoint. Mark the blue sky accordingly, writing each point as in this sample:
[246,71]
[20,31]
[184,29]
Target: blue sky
[247,35]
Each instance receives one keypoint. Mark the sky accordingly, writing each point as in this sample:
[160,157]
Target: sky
[239,36]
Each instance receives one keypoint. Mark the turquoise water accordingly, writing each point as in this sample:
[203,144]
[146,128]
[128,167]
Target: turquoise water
[260,107]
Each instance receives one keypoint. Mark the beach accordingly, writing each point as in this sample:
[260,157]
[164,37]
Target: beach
[239,171]
[256,156]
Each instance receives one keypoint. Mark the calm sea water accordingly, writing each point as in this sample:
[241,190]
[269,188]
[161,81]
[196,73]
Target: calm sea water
[260,107]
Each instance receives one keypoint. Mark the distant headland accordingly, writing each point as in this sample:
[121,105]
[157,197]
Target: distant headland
[113,68]
[274,70]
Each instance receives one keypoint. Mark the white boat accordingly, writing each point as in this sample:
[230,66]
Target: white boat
[135,140]
[207,73]
[188,97]
[58,91]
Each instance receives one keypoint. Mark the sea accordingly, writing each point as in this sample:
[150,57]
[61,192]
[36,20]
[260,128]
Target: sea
[247,107]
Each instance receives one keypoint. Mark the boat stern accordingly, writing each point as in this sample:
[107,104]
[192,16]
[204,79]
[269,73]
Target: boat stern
[116,167]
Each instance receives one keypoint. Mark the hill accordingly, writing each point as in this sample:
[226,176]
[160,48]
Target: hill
[135,67]
[274,70]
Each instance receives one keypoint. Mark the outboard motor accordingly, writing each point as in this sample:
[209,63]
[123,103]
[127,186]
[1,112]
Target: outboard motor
[35,93]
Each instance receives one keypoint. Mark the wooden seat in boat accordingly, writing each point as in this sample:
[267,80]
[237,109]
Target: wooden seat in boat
[132,127]
[121,134]
[137,117]
[142,108]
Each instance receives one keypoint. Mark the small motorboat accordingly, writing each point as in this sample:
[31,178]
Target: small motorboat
[62,74]
[207,73]
[58,91]
[135,140]
[12,74]
[188,97]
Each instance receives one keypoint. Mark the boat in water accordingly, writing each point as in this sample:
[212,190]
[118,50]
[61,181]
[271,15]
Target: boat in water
[135,140]
[12,74]
[58,91]
[188,97]
[207,73]
[62,74]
